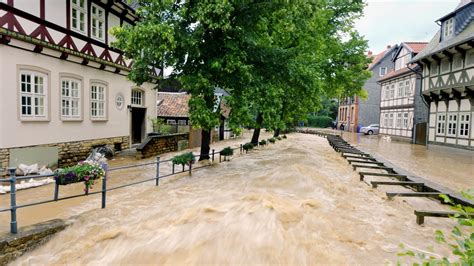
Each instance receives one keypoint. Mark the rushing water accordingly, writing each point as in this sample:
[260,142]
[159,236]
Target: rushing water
[295,203]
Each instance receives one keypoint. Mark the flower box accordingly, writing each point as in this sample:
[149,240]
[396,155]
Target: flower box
[87,172]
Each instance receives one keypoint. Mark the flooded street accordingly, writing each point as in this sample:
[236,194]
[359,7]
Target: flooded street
[295,203]
[449,167]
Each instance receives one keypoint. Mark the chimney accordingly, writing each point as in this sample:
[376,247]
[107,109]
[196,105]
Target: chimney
[389,46]
[369,53]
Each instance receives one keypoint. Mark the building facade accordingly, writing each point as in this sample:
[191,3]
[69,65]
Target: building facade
[402,109]
[63,88]
[448,79]
[355,112]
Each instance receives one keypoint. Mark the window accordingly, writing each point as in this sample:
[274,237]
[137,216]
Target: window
[97,22]
[405,120]
[33,86]
[390,121]
[182,122]
[464,125]
[452,124]
[171,122]
[382,71]
[70,98]
[400,89]
[407,88]
[392,91]
[441,124]
[137,97]
[78,15]
[98,103]
[385,122]
[399,120]
[387,92]
[448,27]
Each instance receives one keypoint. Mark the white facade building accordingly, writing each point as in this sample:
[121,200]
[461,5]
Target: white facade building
[63,88]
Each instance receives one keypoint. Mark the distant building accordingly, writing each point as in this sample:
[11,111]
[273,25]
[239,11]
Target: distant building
[402,109]
[448,79]
[173,108]
[63,87]
[353,111]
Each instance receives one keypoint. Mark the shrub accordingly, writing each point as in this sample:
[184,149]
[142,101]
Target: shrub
[278,138]
[262,142]
[319,121]
[272,140]
[284,136]
[227,151]
[460,240]
[248,146]
[184,158]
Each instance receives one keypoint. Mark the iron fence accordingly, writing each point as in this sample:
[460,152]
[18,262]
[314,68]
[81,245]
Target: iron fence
[13,179]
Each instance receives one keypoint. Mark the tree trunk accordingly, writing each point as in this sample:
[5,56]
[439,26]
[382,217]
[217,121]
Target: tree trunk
[205,144]
[256,132]
[276,133]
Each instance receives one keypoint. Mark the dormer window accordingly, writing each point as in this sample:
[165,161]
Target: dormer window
[382,71]
[78,15]
[448,28]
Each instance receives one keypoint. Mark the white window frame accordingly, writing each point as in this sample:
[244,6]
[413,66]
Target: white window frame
[79,7]
[464,125]
[441,124]
[448,28]
[392,91]
[97,22]
[182,122]
[390,120]
[382,71]
[387,92]
[407,88]
[137,97]
[400,89]
[98,101]
[171,122]
[405,120]
[452,124]
[69,96]
[385,122]
[36,93]
[399,120]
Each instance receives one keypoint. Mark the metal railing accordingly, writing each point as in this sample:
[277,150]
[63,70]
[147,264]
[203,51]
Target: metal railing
[13,179]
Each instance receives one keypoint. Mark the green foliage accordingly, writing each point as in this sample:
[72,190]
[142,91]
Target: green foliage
[284,136]
[262,142]
[278,138]
[183,159]
[271,140]
[248,146]
[228,151]
[319,121]
[460,240]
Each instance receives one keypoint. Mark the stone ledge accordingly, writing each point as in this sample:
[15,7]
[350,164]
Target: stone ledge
[29,237]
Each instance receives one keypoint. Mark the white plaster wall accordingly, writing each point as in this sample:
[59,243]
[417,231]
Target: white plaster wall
[465,105]
[32,7]
[453,106]
[55,11]
[431,135]
[441,106]
[33,133]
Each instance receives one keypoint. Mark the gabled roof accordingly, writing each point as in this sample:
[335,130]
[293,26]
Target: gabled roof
[172,104]
[379,57]
[416,47]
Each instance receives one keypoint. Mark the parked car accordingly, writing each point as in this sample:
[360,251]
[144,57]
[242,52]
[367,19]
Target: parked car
[370,130]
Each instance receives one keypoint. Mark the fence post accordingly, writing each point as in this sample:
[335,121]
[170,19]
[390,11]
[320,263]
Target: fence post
[13,224]
[56,191]
[190,166]
[104,188]
[173,169]
[241,147]
[212,155]
[157,170]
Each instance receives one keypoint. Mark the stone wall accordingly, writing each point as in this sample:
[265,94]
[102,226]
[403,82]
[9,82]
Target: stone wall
[154,145]
[70,153]
[28,238]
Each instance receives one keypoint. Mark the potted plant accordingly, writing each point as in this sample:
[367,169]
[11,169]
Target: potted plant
[262,142]
[248,146]
[183,159]
[87,171]
[228,151]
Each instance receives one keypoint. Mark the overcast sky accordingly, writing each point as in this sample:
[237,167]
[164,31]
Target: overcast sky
[395,21]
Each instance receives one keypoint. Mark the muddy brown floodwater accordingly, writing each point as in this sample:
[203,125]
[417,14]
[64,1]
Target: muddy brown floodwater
[295,203]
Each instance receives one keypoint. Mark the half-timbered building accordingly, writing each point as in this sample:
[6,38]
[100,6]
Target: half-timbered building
[63,87]
[448,79]
[402,109]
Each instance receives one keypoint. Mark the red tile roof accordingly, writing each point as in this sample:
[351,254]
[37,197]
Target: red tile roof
[173,104]
[376,58]
[416,47]
[396,73]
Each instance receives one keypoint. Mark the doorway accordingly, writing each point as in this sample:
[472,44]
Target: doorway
[420,133]
[138,124]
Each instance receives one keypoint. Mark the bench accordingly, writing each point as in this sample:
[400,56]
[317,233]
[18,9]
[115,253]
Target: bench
[419,185]
[420,215]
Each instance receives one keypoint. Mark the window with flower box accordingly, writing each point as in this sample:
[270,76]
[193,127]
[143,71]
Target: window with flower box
[98,101]
[70,99]
[33,95]
[79,15]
